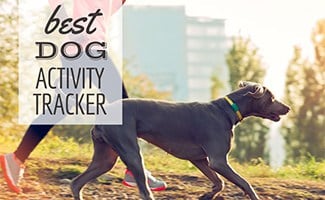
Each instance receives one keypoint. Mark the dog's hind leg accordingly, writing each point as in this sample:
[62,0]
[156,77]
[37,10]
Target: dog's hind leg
[103,160]
[218,184]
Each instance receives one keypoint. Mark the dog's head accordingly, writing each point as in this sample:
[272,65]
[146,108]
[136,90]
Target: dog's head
[263,104]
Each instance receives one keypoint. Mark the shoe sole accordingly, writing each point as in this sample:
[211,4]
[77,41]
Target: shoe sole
[131,184]
[10,184]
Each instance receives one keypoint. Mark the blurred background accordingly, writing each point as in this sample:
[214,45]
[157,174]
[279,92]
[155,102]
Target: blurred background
[199,50]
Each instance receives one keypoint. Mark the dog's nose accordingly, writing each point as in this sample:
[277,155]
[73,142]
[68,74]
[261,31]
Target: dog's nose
[288,108]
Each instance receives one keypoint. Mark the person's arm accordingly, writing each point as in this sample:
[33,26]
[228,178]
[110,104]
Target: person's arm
[116,4]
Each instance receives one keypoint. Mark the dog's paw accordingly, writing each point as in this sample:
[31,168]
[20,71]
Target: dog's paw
[211,196]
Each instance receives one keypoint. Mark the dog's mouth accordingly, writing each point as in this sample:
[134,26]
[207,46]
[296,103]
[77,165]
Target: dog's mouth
[274,117]
[275,114]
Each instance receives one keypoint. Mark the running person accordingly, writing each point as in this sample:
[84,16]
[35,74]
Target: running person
[12,163]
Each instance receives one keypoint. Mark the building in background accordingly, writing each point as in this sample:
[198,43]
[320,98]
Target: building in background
[206,46]
[177,52]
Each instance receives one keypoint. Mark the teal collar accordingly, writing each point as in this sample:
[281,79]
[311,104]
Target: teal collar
[235,108]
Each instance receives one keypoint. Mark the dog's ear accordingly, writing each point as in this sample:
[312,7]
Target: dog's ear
[242,84]
[259,91]
[245,83]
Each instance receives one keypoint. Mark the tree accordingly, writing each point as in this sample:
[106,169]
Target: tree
[141,86]
[9,66]
[305,93]
[244,63]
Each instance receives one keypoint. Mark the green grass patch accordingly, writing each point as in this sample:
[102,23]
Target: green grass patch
[256,168]
[57,147]
[308,168]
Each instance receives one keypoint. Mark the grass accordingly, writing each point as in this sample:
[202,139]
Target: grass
[57,160]
[157,160]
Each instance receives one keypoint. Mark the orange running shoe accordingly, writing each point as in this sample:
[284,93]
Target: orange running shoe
[13,171]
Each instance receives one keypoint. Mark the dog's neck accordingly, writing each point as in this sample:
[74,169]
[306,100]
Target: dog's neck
[234,107]
[227,107]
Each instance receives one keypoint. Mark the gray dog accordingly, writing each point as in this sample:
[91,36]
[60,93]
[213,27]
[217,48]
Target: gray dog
[198,132]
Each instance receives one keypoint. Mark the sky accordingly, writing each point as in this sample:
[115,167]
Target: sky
[274,26]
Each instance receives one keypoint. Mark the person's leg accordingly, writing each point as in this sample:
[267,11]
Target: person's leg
[32,137]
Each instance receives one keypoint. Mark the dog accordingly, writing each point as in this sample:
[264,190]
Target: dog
[198,132]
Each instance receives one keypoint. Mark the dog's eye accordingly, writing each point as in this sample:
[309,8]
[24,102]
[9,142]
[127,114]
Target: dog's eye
[270,100]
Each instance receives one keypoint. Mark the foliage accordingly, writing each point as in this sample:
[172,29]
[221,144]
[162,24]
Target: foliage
[307,167]
[140,86]
[80,133]
[245,63]
[8,63]
[305,93]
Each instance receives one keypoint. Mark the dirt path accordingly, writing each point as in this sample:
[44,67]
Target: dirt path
[44,182]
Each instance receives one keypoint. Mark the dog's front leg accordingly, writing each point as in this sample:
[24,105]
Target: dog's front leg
[129,152]
[134,163]
[221,166]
